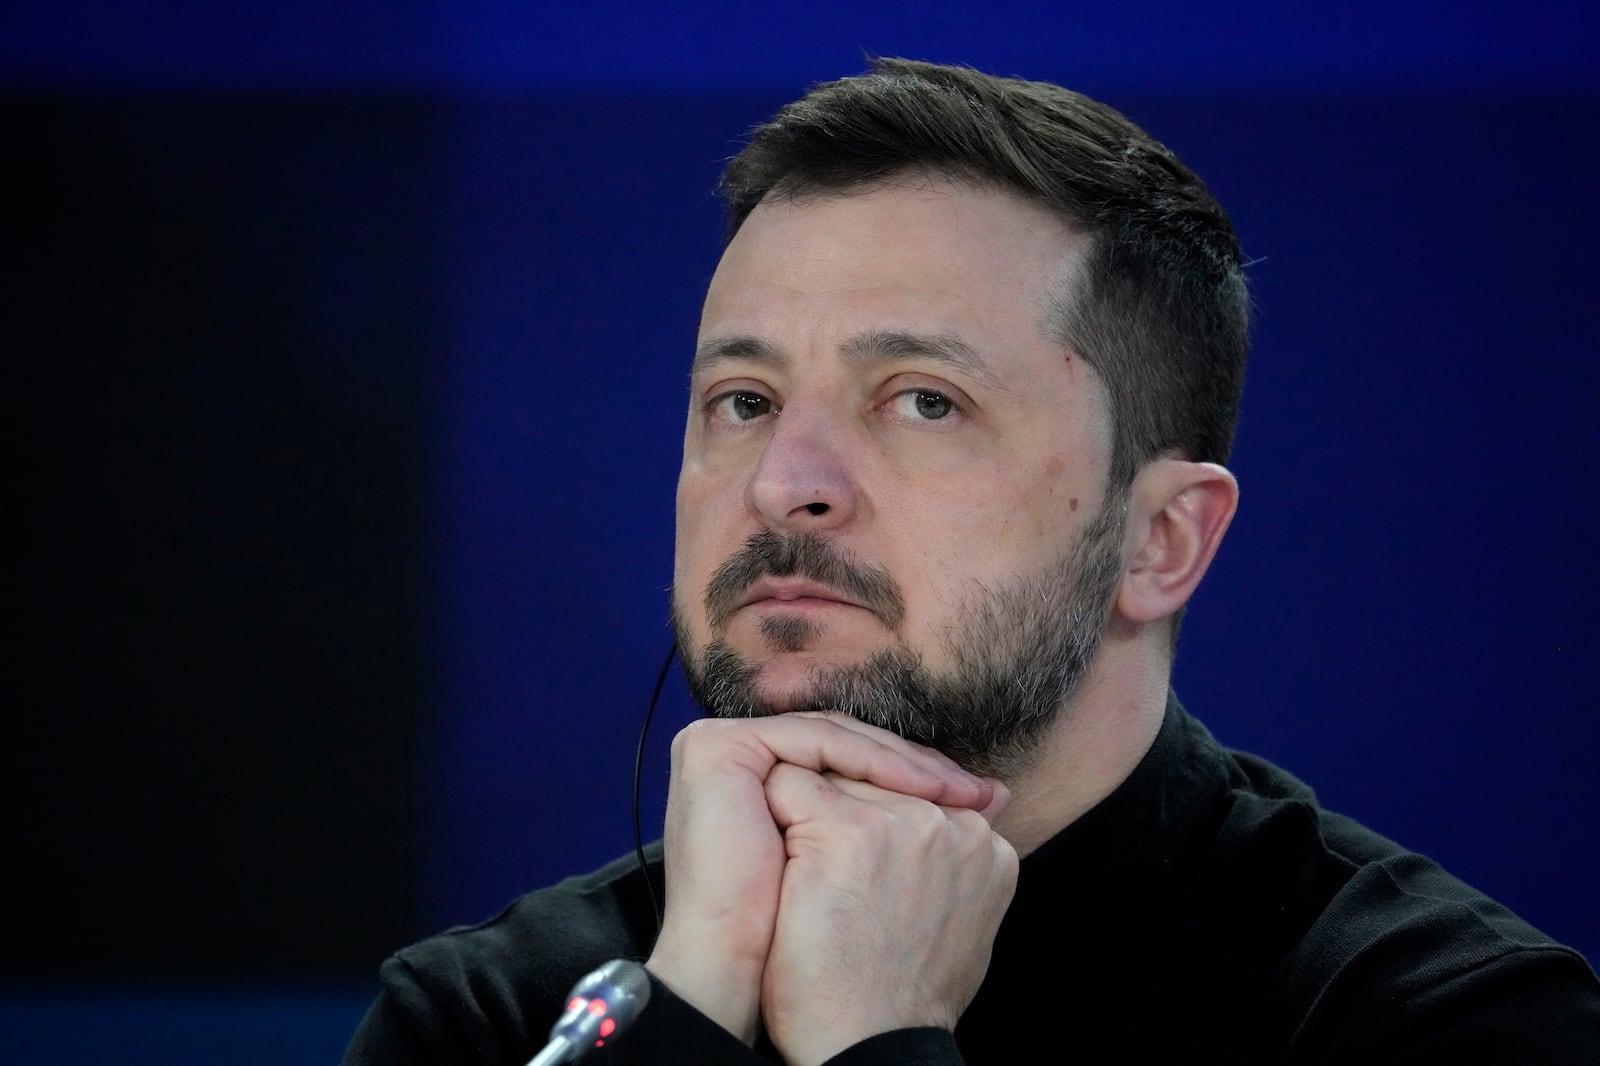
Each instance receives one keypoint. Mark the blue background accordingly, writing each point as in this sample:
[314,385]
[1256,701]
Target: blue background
[474,237]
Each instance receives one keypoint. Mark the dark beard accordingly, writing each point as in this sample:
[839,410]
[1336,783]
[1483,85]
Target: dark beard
[1017,650]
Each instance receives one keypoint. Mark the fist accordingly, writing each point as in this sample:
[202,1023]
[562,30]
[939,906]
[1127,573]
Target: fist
[887,911]
[725,853]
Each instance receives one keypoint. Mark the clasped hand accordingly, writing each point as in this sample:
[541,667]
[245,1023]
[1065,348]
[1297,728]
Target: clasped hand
[827,879]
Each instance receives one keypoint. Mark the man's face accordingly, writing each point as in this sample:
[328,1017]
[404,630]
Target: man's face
[891,500]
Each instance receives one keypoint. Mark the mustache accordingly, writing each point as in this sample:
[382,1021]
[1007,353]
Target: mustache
[804,555]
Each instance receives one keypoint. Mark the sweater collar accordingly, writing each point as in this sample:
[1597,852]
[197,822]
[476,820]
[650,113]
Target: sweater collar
[1093,898]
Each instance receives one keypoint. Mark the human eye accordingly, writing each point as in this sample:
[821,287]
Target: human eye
[739,405]
[923,405]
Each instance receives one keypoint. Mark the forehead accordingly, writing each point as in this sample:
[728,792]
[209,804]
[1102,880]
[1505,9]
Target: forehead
[932,255]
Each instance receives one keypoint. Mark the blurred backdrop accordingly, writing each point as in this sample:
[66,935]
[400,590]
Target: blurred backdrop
[351,342]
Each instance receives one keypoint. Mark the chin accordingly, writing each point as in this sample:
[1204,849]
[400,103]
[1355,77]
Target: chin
[729,681]
[787,683]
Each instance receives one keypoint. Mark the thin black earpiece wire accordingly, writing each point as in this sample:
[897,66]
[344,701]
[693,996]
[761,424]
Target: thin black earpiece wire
[638,772]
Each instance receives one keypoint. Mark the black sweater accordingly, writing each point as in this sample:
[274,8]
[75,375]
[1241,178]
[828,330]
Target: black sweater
[1208,910]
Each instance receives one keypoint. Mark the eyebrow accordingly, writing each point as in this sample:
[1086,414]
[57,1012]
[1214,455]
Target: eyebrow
[863,347]
[741,349]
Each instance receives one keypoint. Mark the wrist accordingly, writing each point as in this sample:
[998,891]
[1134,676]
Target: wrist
[728,994]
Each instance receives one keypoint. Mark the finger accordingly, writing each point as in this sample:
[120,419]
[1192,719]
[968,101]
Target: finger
[865,791]
[999,800]
[756,745]
[933,756]
[795,794]
[937,761]
[810,807]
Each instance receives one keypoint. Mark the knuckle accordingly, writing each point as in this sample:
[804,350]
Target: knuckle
[869,825]
[971,830]
[788,776]
[1006,859]
[703,732]
[970,822]
[928,823]
[697,744]
[692,732]
[685,739]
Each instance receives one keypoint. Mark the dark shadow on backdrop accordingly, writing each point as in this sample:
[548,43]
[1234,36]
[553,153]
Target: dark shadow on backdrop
[221,320]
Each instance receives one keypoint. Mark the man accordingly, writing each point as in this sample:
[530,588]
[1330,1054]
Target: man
[966,378]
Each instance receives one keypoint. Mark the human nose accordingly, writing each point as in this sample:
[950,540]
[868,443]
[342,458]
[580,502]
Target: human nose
[803,480]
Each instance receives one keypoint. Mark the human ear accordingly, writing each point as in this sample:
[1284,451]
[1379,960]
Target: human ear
[1177,513]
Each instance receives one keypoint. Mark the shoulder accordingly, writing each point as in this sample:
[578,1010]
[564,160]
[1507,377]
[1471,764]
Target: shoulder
[489,992]
[1408,954]
[552,936]
[1381,948]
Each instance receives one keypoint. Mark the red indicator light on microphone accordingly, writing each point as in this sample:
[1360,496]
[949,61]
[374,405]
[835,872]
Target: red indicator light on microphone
[599,1009]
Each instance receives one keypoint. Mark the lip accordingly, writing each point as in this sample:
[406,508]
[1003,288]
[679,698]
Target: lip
[797,591]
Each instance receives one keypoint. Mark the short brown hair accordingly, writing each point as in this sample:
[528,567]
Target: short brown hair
[1160,309]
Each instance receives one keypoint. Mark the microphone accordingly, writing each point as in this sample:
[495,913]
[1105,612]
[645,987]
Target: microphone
[599,1007]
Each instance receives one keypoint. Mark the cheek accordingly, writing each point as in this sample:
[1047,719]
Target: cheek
[1053,497]
[689,544]
[1000,526]
[687,534]
[709,511]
